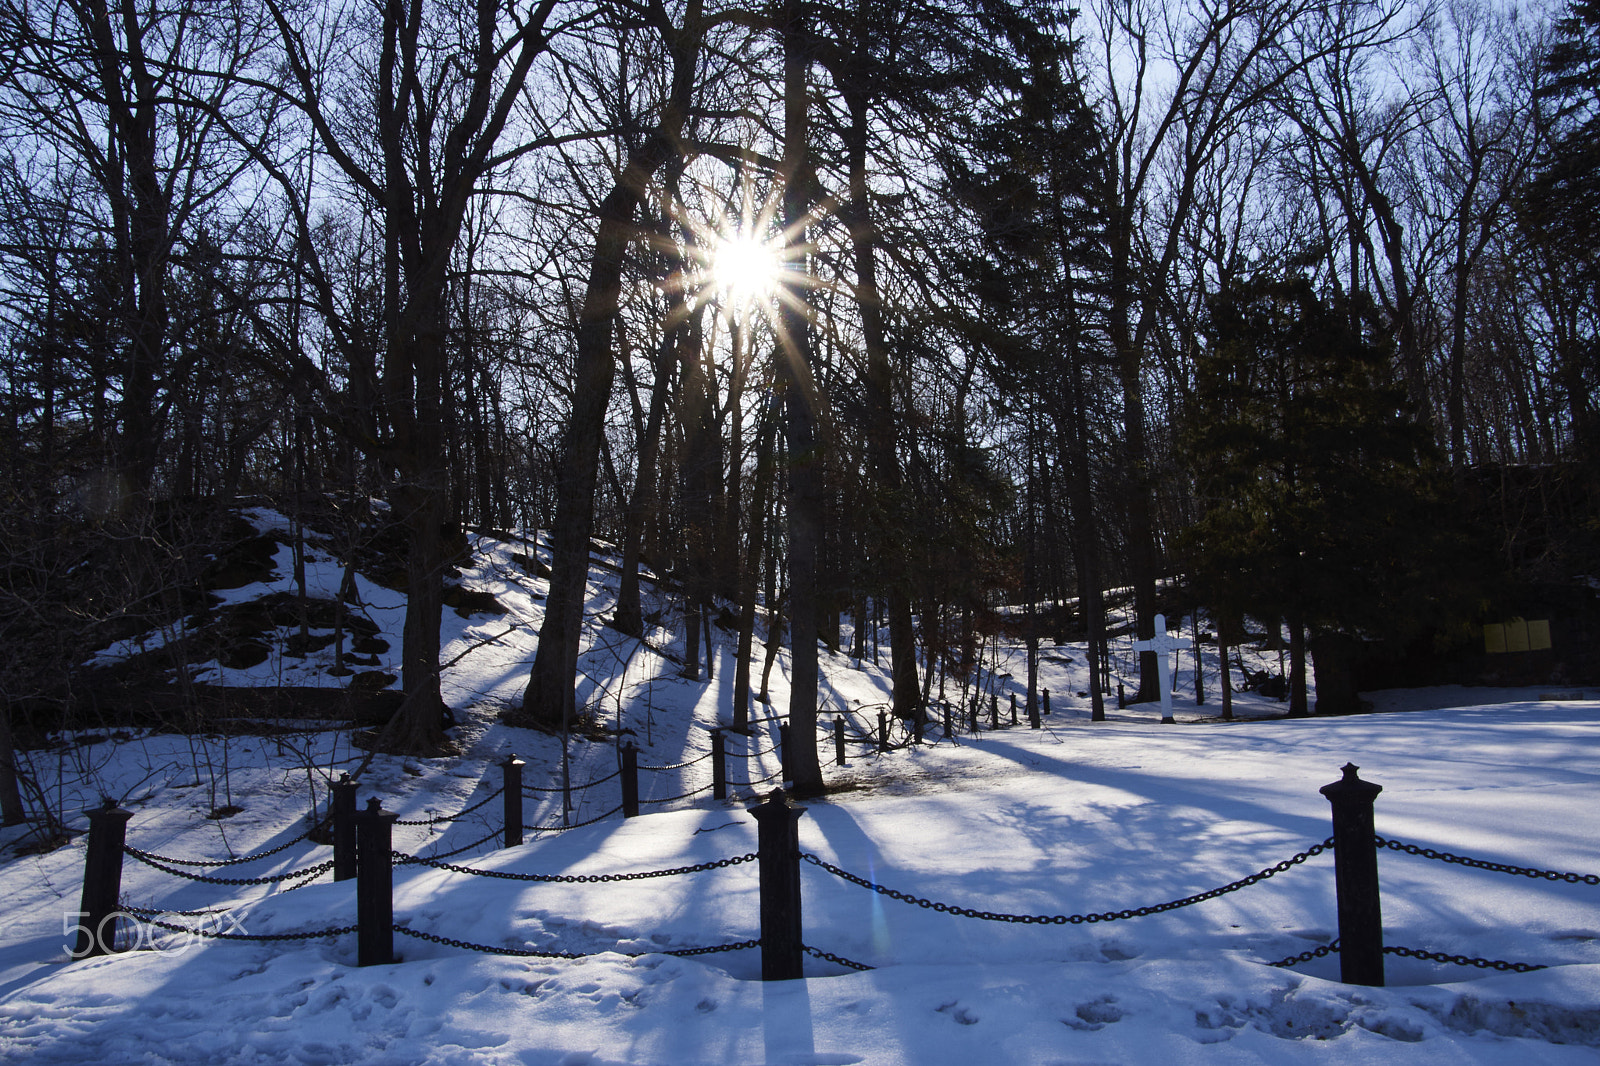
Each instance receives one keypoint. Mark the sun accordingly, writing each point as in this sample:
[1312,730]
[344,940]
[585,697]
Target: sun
[744,270]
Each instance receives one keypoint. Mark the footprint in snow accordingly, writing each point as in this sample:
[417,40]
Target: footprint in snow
[959,1013]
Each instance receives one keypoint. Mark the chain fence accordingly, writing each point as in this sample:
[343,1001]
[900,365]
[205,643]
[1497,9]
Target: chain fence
[536,953]
[286,845]
[679,765]
[575,825]
[612,776]
[1073,919]
[775,775]
[1332,948]
[674,799]
[1322,951]
[579,879]
[438,819]
[407,859]
[1463,960]
[211,934]
[270,879]
[828,956]
[1484,864]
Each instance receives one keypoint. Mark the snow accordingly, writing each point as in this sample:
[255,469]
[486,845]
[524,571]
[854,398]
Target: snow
[1073,818]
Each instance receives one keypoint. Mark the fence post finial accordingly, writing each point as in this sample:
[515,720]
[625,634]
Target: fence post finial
[1355,865]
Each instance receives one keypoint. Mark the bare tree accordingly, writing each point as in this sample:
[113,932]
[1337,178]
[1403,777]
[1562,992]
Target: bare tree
[550,691]
[415,130]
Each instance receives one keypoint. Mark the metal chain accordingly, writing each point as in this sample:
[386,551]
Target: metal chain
[758,781]
[818,953]
[1482,864]
[143,911]
[1331,948]
[1075,919]
[407,859]
[574,825]
[686,795]
[486,949]
[1417,953]
[1463,960]
[758,754]
[307,881]
[314,934]
[268,880]
[228,862]
[575,788]
[452,817]
[739,945]
[678,765]
[581,879]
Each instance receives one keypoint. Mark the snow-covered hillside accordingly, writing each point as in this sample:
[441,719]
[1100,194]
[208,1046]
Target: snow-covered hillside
[1073,818]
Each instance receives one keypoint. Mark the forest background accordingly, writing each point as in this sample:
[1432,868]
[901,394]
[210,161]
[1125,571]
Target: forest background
[811,311]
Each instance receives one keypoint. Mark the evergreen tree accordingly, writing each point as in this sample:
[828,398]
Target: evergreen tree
[1561,205]
[1324,495]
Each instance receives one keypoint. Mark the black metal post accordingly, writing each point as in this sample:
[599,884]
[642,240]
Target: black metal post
[344,828]
[778,850]
[974,715]
[102,881]
[1046,701]
[1122,697]
[994,711]
[1355,866]
[948,735]
[783,751]
[1013,708]
[838,741]
[883,730]
[374,885]
[630,780]
[511,770]
[719,765]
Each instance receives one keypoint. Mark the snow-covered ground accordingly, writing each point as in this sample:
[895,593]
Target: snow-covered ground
[1073,818]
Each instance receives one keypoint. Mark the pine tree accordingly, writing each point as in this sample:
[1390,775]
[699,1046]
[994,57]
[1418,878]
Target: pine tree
[1325,497]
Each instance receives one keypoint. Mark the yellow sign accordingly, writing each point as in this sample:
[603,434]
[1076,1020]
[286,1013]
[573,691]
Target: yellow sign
[1517,634]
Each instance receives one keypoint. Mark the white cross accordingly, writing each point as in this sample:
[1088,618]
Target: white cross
[1162,643]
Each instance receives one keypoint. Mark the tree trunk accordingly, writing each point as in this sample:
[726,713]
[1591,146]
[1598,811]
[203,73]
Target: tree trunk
[1140,522]
[628,616]
[698,474]
[887,549]
[549,693]
[774,639]
[1333,656]
[748,574]
[1297,668]
[801,403]
[11,809]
